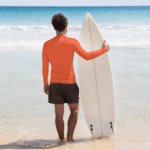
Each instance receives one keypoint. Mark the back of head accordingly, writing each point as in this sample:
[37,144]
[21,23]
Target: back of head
[59,22]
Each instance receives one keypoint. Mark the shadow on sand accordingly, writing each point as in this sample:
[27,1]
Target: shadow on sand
[39,144]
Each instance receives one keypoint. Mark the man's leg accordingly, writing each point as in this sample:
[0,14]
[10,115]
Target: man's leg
[59,112]
[72,121]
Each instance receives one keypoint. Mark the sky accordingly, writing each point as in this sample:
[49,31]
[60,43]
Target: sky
[74,3]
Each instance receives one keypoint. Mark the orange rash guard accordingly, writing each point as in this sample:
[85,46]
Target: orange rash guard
[59,51]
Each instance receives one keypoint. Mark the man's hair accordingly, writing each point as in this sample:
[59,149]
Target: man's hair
[59,22]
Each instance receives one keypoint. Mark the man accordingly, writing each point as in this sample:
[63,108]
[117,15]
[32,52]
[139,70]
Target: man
[59,51]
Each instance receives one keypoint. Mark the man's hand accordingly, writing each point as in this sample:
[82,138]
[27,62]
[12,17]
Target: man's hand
[46,89]
[106,46]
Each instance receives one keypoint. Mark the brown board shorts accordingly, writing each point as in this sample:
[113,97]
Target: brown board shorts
[60,93]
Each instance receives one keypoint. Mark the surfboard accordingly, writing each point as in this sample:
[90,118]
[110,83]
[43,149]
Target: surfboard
[96,82]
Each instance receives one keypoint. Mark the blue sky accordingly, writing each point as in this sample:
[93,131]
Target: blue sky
[74,3]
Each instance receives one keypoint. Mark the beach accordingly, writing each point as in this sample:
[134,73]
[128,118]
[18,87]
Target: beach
[28,120]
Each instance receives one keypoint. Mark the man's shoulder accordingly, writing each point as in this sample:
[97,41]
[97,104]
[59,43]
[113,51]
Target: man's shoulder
[72,40]
[50,40]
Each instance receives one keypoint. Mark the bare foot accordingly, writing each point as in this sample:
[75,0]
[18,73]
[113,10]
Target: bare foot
[70,141]
[61,141]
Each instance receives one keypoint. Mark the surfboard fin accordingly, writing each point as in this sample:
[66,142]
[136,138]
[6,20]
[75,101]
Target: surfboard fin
[111,127]
[91,129]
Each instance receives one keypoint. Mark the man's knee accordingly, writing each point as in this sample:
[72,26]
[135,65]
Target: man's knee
[74,107]
[59,114]
[75,112]
[59,110]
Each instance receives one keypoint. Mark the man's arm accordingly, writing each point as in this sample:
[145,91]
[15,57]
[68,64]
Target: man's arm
[87,55]
[45,67]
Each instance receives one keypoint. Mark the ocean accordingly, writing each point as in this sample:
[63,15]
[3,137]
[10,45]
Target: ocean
[27,120]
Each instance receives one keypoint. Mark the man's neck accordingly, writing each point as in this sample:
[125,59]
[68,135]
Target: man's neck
[59,33]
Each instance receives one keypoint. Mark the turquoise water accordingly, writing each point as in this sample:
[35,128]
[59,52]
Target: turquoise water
[121,15]
[31,26]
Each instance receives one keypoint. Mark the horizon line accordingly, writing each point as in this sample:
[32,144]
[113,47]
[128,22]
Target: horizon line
[76,6]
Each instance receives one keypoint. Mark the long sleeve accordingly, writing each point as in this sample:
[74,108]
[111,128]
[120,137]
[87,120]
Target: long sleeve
[45,67]
[87,55]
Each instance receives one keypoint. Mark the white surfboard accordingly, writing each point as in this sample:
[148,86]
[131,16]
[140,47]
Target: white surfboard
[96,82]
